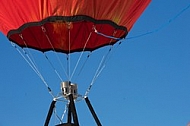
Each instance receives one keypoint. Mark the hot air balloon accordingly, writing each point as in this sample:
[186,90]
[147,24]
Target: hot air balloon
[68,27]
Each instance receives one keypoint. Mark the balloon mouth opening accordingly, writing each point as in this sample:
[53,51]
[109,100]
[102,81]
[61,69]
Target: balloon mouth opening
[67,34]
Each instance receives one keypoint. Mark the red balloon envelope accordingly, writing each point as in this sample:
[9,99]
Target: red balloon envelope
[68,25]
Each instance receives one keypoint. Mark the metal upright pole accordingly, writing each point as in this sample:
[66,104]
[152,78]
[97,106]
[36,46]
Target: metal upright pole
[92,111]
[50,113]
[73,110]
[69,114]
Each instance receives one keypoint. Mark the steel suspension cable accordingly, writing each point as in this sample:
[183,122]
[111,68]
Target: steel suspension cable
[56,115]
[97,73]
[58,58]
[33,64]
[53,68]
[65,111]
[68,55]
[83,65]
[81,54]
[103,61]
[33,67]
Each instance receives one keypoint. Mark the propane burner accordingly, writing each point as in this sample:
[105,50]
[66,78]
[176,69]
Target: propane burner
[68,88]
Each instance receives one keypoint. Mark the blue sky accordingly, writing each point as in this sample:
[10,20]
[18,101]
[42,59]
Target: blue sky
[146,81]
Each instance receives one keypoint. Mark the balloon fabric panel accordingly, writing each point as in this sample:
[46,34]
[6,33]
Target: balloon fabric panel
[68,25]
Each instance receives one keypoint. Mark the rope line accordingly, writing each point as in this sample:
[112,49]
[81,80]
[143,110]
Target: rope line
[163,25]
[107,36]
